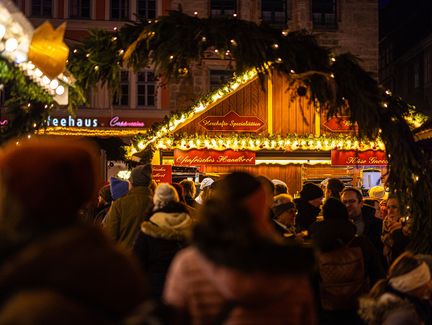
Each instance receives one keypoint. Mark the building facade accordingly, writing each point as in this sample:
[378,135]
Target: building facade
[405,64]
[343,25]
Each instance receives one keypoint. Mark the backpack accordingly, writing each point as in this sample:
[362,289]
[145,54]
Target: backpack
[342,277]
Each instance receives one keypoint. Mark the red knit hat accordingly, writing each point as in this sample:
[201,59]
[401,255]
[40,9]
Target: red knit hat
[50,178]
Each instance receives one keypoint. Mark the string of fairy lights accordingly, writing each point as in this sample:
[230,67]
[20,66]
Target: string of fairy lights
[288,143]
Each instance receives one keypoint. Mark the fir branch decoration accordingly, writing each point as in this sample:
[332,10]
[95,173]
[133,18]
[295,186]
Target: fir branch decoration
[27,105]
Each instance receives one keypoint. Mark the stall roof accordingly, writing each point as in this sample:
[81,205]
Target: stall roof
[167,136]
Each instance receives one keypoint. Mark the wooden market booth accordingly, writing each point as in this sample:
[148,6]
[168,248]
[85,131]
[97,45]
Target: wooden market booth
[266,128]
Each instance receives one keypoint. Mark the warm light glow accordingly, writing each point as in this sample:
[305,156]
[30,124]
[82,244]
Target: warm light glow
[293,161]
[2,31]
[60,90]
[54,84]
[11,45]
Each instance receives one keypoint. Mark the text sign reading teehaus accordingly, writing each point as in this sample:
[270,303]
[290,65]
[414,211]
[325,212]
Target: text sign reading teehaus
[212,157]
[339,124]
[232,122]
[162,173]
[358,158]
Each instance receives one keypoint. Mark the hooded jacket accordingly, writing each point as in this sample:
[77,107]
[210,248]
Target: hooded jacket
[199,288]
[165,233]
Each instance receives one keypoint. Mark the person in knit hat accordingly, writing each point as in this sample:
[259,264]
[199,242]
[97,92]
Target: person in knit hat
[308,205]
[46,249]
[164,233]
[128,212]
[118,187]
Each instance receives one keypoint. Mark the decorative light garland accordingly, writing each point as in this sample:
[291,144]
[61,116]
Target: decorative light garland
[257,143]
[97,132]
[15,39]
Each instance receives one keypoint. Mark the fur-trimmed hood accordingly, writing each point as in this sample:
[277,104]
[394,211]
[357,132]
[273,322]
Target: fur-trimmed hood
[376,311]
[168,225]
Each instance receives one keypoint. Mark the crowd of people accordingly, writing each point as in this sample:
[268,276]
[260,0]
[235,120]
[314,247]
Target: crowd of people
[241,251]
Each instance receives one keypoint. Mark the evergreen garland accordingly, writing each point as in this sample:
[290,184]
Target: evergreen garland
[27,105]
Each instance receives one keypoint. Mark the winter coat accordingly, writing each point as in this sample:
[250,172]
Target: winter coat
[373,228]
[389,309]
[198,289]
[159,240]
[331,234]
[80,269]
[126,214]
[306,215]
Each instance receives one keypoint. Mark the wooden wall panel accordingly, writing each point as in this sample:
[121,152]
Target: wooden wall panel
[248,101]
[289,174]
[291,114]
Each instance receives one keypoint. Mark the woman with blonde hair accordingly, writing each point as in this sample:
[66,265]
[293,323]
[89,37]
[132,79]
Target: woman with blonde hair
[403,297]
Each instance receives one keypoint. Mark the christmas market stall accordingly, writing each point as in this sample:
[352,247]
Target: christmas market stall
[285,114]
[268,131]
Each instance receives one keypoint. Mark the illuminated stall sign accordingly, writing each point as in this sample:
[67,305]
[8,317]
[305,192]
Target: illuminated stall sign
[232,122]
[198,157]
[162,173]
[339,124]
[116,122]
[358,158]
[72,122]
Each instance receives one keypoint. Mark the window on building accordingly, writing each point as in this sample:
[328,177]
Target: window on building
[428,66]
[219,77]
[274,12]
[146,89]
[222,8]
[79,9]
[324,13]
[123,98]
[41,8]
[146,9]
[120,9]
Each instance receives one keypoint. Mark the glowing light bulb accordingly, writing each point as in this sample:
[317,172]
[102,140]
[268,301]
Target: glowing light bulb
[54,84]
[60,90]
[38,73]
[11,45]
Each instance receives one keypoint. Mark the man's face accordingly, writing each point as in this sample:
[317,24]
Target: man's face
[352,204]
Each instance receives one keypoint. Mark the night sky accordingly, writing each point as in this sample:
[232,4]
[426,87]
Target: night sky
[383,3]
